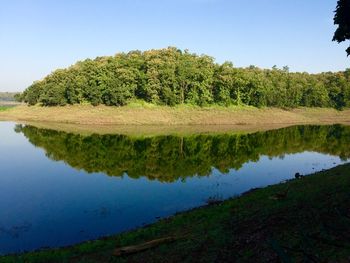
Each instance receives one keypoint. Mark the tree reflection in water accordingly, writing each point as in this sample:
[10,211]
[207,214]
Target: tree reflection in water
[169,158]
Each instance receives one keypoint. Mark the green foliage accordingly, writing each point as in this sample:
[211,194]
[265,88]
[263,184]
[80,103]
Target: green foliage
[32,94]
[3,108]
[342,19]
[171,77]
[17,97]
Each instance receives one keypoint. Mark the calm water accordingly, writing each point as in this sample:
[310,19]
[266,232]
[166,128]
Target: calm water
[58,188]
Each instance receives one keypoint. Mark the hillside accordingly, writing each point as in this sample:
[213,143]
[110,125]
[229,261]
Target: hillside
[171,76]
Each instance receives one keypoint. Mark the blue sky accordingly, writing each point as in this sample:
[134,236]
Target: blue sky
[39,36]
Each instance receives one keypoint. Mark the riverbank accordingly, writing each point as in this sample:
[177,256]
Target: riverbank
[146,114]
[303,219]
[9,104]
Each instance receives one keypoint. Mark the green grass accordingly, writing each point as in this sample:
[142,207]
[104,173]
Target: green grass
[4,108]
[311,224]
[137,113]
[141,104]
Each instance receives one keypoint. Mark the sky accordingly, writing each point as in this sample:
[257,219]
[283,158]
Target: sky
[39,36]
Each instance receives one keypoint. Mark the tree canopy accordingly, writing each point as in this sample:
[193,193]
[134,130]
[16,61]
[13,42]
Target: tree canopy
[342,19]
[171,76]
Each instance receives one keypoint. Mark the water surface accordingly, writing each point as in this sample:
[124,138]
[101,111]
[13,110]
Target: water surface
[60,188]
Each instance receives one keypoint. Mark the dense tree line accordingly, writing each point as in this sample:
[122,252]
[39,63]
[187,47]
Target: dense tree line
[170,158]
[171,76]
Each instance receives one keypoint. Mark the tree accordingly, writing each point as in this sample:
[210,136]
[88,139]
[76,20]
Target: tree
[32,93]
[170,76]
[18,97]
[342,19]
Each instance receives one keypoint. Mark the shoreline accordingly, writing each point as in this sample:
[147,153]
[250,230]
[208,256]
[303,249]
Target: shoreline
[87,118]
[153,130]
[321,190]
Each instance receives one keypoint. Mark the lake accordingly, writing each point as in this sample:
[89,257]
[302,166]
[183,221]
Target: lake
[59,188]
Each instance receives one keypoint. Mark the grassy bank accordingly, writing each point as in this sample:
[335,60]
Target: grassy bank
[146,114]
[3,107]
[9,103]
[303,219]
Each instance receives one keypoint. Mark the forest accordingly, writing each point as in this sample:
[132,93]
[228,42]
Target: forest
[172,76]
[171,158]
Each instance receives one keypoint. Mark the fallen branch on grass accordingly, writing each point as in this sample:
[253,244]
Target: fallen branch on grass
[144,246]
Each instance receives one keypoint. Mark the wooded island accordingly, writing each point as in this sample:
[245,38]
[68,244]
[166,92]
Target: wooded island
[171,76]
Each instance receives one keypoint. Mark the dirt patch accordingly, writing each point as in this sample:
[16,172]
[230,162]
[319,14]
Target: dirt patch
[175,116]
